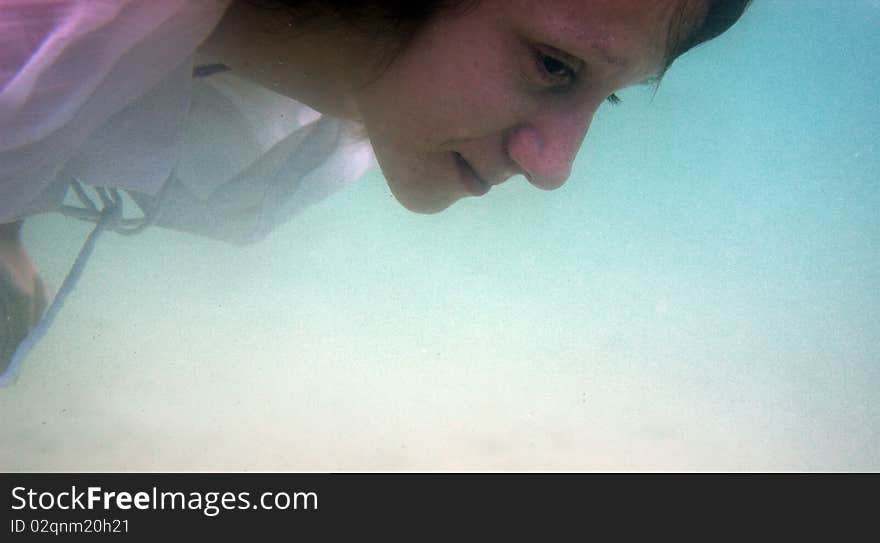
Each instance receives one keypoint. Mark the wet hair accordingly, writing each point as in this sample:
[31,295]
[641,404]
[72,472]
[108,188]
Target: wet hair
[684,35]
[405,17]
[402,17]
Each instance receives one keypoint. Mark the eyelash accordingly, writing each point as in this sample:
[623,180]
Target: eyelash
[570,75]
[552,78]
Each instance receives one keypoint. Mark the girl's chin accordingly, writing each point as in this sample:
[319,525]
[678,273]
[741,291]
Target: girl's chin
[419,203]
[419,200]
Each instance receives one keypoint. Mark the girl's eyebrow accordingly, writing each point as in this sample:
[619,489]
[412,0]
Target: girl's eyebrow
[623,63]
[608,57]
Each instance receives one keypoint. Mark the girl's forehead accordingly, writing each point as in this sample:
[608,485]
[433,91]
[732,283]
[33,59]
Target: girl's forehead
[628,35]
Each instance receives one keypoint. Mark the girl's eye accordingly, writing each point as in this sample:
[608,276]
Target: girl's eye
[555,71]
[556,67]
[558,73]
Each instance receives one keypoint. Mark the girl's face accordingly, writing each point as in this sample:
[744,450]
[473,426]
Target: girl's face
[508,87]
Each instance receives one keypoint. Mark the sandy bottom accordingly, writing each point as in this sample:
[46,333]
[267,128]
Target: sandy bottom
[346,342]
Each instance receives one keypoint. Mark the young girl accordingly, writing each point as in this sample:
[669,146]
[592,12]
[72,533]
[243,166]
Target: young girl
[227,118]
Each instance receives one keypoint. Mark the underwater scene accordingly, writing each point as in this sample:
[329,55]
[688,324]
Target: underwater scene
[703,294]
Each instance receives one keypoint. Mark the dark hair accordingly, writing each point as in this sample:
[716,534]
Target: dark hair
[399,16]
[405,17]
[684,35]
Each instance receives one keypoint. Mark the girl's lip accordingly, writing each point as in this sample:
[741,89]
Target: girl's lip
[472,182]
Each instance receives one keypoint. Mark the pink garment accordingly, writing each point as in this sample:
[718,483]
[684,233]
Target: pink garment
[67,66]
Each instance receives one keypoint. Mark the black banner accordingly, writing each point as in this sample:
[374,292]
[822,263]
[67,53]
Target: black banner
[328,505]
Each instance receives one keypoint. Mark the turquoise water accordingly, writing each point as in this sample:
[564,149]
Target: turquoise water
[702,295]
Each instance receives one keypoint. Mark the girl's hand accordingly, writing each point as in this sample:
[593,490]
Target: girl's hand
[23,296]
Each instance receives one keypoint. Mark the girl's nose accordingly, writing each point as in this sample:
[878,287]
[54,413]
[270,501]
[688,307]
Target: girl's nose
[545,147]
